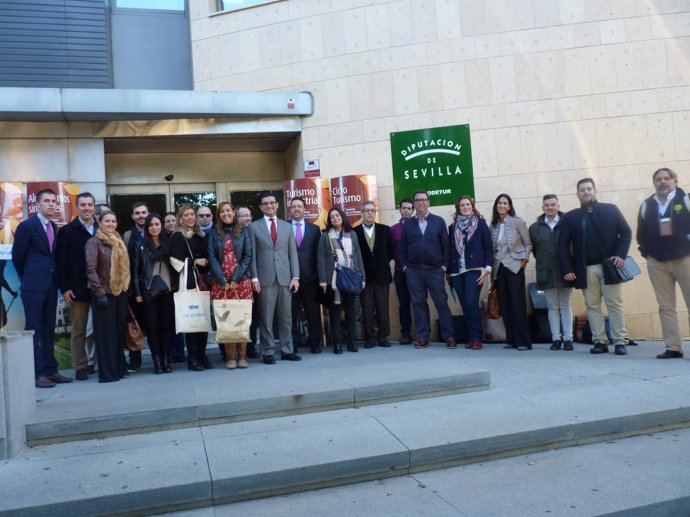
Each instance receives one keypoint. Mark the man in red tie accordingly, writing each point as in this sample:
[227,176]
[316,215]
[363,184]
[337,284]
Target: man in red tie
[33,256]
[275,274]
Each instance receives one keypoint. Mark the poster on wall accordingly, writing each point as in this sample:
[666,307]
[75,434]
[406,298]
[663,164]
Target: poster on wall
[316,195]
[438,160]
[67,193]
[349,192]
[11,214]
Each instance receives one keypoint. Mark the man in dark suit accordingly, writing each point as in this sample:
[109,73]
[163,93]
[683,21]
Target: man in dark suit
[589,235]
[307,237]
[376,244]
[33,255]
[135,237]
[71,271]
[275,274]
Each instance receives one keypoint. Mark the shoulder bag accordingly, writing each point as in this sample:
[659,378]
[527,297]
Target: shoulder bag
[347,280]
[156,287]
[134,336]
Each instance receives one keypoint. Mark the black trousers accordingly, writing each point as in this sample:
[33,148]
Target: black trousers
[513,303]
[160,323]
[306,296]
[374,301]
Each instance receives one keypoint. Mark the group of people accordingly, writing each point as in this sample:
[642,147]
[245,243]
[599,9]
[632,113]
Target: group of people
[291,267]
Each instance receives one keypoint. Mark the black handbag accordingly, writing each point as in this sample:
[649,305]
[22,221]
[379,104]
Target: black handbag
[156,287]
[617,275]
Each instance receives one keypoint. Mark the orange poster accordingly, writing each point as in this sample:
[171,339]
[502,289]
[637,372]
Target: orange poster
[66,199]
[316,195]
[349,192]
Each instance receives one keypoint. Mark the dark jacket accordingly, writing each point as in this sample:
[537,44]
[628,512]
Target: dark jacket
[479,251]
[32,258]
[671,247]
[326,261]
[377,263]
[180,249]
[144,266]
[308,252]
[545,250]
[612,230]
[70,259]
[215,248]
[428,250]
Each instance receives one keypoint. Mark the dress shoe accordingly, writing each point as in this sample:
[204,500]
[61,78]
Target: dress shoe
[670,354]
[384,343]
[422,343]
[451,343]
[556,345]
[268,359]
[568,345]
[620,350]
[337,349]
[352,347]
[316,349]
[370,343]
[406,339]
[44,382]
[599,348]
[290,357]
[59,379]
[82,374]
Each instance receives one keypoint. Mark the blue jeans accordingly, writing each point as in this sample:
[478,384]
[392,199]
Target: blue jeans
[404,302]
[423,283]
[468,290]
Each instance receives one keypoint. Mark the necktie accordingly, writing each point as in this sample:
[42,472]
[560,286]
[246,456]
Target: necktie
[49,233]
[298,236]
[274,232]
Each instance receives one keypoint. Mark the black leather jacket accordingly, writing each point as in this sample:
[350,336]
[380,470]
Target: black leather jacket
[215,246]
[143,268]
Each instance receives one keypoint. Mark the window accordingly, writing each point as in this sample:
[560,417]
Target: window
[162,5]
[234,5]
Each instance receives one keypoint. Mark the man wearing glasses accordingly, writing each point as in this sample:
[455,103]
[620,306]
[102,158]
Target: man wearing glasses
[205,218]
[275,275]
[424,255]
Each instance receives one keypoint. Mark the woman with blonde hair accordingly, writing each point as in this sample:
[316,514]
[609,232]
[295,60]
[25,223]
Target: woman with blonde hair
[229,250]
[108,278]
[188,243]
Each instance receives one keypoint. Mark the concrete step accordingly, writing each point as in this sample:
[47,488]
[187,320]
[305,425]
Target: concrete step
[538,401]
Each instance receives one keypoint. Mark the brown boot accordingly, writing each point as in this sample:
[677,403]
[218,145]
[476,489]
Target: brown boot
[230,352]
[242,353]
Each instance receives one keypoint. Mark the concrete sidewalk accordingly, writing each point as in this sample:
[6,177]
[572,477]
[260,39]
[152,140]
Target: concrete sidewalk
[537,401]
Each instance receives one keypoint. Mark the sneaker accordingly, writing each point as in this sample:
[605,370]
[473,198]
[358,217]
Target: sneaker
[599,348]
[556,345]
[670,354]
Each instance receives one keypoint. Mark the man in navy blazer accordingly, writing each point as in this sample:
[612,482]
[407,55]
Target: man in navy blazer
[591,234]
[307,237]
[33,256]
[425,256]
[376,244]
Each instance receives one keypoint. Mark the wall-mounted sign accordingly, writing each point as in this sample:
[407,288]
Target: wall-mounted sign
[438,160]
[312,168]
[349,192]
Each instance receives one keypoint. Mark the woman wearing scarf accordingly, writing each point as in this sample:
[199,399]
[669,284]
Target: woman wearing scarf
[229,255]
[151,259]
[339,244]
[512,246]
[471,257]
[188,243]
[107,273]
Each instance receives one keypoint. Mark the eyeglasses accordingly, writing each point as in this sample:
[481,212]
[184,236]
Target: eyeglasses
[269,203]
[369,210]
[425,200]
[205,215]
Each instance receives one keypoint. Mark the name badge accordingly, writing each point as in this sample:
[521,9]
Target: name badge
[665,227]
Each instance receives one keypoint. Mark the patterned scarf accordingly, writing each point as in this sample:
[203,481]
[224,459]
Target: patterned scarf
[464,231]
[119,261]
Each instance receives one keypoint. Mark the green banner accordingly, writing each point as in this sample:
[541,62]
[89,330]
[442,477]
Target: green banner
[438,160]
